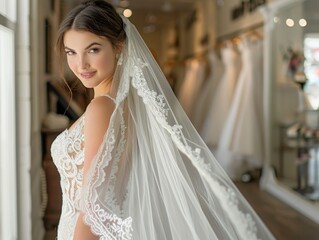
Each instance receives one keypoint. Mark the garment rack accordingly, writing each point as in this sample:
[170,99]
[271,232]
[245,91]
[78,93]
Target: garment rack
[200,54]
[240,31]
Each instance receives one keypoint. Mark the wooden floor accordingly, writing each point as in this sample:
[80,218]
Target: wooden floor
[284,222]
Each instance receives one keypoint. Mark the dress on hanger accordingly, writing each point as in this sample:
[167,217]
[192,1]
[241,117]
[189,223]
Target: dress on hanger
[222,99]
[194,78]
[208,89]
[240,146]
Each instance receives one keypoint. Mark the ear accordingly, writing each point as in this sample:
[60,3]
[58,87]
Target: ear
[118,50]
[119,47]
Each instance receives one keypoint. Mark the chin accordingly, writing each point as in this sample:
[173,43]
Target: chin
[87,84]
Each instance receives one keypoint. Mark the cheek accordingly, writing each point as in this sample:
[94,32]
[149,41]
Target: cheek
[105,63]
[71,64]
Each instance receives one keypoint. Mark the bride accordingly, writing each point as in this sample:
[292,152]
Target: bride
[133,166]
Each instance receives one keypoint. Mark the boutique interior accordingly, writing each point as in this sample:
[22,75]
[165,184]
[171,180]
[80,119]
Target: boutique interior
[246,73]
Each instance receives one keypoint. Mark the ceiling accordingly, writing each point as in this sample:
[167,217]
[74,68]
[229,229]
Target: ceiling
[148,5]
[158,10]
[161,5]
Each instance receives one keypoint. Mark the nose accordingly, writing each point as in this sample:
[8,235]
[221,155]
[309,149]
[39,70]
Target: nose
[83,62]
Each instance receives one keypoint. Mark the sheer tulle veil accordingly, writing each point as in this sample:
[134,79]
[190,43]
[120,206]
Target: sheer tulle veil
[153,177]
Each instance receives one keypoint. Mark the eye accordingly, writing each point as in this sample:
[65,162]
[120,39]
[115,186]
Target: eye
[94,50]
[69,52]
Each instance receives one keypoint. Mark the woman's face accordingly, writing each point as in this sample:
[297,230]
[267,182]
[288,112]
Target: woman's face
[91,58]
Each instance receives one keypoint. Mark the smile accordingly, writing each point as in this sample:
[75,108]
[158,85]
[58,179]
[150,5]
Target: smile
[87,74]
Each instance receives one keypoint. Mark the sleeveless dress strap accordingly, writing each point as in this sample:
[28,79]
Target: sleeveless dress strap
[107,95]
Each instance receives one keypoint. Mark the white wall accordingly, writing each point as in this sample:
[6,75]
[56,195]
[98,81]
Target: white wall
[225,24]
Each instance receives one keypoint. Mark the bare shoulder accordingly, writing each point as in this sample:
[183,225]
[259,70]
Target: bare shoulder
[101,104]
[97,118]
[99,109]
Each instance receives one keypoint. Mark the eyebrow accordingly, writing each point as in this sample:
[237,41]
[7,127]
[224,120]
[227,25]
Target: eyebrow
[90,45]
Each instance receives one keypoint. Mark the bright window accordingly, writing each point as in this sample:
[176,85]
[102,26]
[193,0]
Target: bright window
[311,52]
[8,183]
[8,9]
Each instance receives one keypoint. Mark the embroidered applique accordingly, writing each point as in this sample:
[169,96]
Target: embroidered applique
[68,156]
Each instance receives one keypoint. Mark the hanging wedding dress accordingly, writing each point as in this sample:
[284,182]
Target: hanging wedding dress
[240,146]
[208,90]
[153,177]
[223,97]
[190,89]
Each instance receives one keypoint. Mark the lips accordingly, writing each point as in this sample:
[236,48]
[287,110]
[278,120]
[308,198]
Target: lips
[87,75]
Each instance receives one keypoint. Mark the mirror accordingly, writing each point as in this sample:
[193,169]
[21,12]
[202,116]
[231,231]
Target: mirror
[292,103]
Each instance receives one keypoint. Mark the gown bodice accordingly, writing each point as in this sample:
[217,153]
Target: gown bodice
[68,155]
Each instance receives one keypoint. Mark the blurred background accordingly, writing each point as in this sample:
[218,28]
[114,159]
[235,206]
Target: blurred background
[245,71]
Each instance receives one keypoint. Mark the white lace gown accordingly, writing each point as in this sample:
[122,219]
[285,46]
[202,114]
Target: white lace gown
[68,155]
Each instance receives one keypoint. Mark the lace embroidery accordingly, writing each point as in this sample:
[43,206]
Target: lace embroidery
[69,160]
[116,227]
[248,228]
[68,156]
[157,105]
[112,201]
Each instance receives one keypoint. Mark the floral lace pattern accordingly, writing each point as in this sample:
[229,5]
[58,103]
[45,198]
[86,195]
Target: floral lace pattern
[68,156]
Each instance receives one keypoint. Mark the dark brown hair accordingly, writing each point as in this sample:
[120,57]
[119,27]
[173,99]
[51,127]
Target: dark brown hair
[96,16]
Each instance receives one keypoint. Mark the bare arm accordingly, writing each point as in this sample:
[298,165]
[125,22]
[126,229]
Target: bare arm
[97,117]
